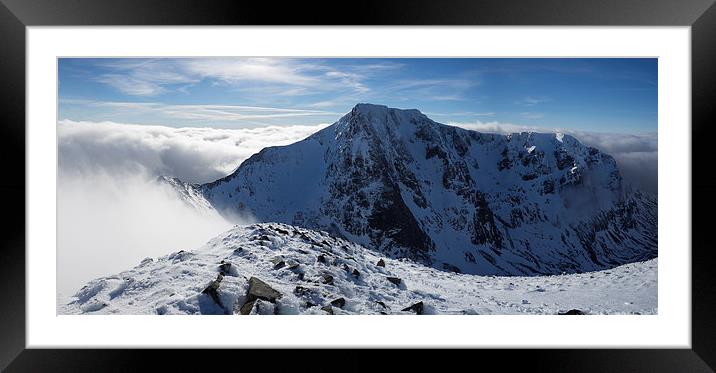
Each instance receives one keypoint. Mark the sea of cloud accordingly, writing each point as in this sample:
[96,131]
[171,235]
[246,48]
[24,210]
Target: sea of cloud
[111,211]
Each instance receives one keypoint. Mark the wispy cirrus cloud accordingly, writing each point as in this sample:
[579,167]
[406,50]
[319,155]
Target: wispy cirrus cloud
[284,76]
[531,115]
[244,114]
[533,101]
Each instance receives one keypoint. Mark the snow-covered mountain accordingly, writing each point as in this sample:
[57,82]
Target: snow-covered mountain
[407,187]
[280,269]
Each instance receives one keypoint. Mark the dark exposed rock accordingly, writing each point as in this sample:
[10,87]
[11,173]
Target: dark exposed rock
[294,266]
[278,263]
[321,259]
[417,308]
[279,230]
[247,307]
[340,302]
[395,280]
[381,263]
[213,289]
[327,309]
[257,307]
[300,291]
[224,267]
[327,279]
[572,312]
[261,290]
[355,273]
[451,268]
[381,303]
[260,238]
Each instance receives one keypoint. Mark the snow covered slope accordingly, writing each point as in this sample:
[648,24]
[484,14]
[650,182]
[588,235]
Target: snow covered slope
[275,268]
[407,187]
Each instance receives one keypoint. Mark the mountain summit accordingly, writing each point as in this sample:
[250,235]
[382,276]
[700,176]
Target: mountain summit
[403,185]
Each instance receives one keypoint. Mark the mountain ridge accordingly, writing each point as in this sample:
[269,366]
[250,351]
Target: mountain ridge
[401,184]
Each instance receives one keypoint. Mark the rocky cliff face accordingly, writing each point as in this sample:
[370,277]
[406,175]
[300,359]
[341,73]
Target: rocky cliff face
[403,185]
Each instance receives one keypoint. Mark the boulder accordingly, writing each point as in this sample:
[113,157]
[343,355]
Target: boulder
[258,307]
[327,279]
[278,263]
[381,263]
[247,307]
[212,289]
[340,302]
[327,309]
[381,303]
[417,308]
[261,290]
[572,312]
[321,259]
[356,273]
[395,280]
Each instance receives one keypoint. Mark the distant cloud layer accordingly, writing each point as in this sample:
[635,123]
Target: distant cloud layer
[194,155]
[636,154]
[199,155]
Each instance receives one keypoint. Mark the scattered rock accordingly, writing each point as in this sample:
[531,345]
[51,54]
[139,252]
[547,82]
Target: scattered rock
[247,307]
[572,312]
[258,307]
[381,303]
[395,280]
[340,302]
[239,251]
[321,259]
[381,263]
[279,230]
[356,273]
[328,309]
[327,279]
[346,268]
[294,266]
[260,238]
[213,289]
[417,308]
[278,263]
[261,290]
[225,268]
[301,291]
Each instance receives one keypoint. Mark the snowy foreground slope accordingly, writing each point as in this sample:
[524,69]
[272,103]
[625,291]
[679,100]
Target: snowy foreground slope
[272,268]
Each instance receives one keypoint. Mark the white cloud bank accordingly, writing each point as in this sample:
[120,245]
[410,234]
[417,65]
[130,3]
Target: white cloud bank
[112,213]
[194,155]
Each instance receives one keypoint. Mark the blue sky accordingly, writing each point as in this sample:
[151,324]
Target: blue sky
[599,94]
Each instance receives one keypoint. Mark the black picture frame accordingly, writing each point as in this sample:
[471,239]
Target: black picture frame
[16,15]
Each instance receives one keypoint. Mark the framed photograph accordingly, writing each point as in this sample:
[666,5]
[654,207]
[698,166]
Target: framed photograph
[423,175]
